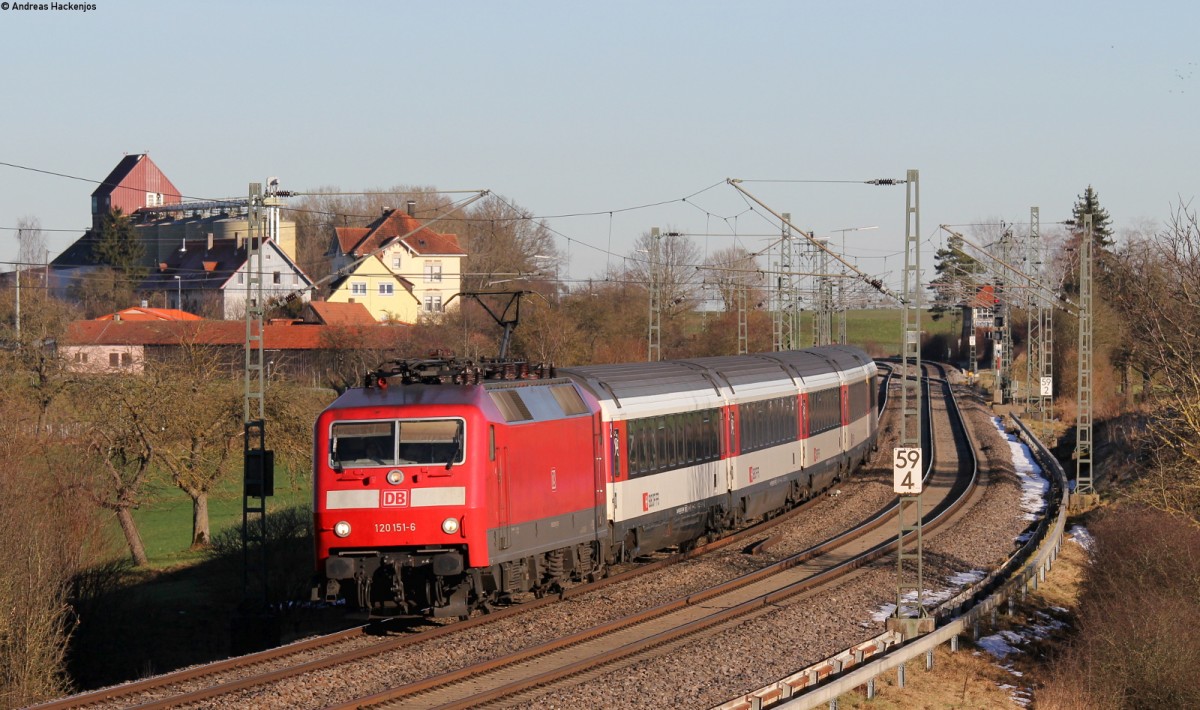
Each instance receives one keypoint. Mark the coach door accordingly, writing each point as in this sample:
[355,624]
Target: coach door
[731,449]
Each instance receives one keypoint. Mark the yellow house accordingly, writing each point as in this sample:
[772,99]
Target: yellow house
[424,263]
[387,297]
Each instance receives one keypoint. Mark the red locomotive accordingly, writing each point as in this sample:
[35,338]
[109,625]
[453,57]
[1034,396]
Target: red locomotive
[441,487]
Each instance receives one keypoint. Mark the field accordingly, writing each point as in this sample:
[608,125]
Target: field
[165,521]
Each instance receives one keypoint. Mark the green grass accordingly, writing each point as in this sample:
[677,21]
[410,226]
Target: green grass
[879,330]
[165,520]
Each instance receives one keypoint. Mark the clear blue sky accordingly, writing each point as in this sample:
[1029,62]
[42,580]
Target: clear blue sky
[567,107]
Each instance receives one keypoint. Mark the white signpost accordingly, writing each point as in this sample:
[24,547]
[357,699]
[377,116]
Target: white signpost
[1047,386]
[906,471]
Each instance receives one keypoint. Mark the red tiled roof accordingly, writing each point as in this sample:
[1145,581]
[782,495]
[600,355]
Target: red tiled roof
[230,333]
[393,224]
[349,237]
[342,313]
[151,314]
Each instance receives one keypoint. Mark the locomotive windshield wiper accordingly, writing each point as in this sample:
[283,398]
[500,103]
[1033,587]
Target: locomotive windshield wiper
[458,443]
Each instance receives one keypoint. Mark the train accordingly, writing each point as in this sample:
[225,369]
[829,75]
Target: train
[442,487]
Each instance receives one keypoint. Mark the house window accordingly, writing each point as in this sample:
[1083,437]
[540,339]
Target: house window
[433,273]
[126,359]
[386,289]
[154,199]
[358,288]
[277,278]
[81,358]
[433,304]
[241,278]
[295,279]
[114,359]
[396,262]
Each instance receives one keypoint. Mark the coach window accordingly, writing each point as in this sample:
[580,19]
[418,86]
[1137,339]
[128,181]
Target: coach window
[631,446]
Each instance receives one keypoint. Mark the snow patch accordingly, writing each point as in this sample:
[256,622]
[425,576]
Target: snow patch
[1082,537]
[997,645]
[957,581]
[1029,474]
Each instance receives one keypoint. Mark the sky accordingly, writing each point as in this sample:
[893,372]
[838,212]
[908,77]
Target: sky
[585,113]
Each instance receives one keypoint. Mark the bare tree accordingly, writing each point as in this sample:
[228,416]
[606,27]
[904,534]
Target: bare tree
[669,260]
[30,358]
[730,270]
[196,431]
[46,537]
[502,240]
[113,414]
[31,249]
[1157,290]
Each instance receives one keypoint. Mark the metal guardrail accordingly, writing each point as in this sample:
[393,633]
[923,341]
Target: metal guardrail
[850,669]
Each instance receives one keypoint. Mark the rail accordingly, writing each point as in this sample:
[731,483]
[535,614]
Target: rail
[850,669]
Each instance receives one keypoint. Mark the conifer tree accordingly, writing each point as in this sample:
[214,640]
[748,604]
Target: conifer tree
[119,247]
[1102,231]
[957,272]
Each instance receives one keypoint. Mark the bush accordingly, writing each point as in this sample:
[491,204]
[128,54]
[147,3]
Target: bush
[40,550]
[1138,642]
[289,552]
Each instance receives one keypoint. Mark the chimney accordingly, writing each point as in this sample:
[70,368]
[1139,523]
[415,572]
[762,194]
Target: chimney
[412,208]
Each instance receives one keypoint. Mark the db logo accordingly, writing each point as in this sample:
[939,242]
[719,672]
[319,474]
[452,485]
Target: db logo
[649,500]
[395,499]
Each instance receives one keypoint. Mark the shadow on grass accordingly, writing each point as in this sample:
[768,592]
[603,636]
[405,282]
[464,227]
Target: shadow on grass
[133,623]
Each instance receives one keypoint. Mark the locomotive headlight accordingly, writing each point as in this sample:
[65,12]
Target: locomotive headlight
[395,477]
[450,526]
[342,529]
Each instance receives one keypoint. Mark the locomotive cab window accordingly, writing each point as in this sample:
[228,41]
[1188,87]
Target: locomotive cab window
[431,441]
[362,444]
[391,443]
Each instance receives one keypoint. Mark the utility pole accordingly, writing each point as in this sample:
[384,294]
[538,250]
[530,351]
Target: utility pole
[786,321]
[1046,383]
[654,335]
[1039,370]
[258,462]
[1085,493]
[743,324]
[824,298]
[1004,348]
[908,468]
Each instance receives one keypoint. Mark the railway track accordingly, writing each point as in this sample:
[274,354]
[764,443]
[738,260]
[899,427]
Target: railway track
[740,597]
